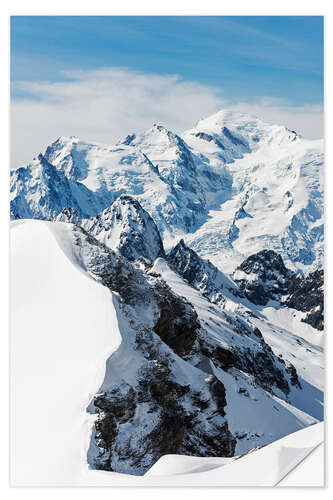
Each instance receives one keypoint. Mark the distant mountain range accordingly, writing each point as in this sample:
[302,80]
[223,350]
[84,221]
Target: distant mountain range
[230,187]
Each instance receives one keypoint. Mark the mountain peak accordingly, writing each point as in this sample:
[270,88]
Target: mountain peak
[237,133]
[160,128]
[232,118]
[126,227]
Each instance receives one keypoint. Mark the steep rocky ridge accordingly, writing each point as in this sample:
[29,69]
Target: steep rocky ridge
[159,385]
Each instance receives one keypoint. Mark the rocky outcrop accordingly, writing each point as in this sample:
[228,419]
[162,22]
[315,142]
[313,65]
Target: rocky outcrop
[127,228]
[218,288]
[264,277]
[175,416]
[307,295]
[202,274]
[68,214]
[163,403]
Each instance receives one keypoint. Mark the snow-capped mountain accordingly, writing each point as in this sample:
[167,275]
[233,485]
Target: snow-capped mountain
[275,198]
[126,227]
[231,186]
[210,363]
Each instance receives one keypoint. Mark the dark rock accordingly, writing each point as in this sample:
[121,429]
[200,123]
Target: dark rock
[242,390]
[275,282]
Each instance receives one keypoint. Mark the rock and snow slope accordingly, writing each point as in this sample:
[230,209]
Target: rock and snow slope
[127,228]
[231,186]
[203,375]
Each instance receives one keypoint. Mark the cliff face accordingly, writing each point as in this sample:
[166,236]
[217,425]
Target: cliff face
[263,277]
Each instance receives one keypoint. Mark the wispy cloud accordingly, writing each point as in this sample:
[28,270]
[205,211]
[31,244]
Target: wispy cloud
[106,104]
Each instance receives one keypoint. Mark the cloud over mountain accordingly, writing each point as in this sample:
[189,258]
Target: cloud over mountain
[104,104]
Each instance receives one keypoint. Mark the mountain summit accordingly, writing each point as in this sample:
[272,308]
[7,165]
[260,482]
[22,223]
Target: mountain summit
[126,227]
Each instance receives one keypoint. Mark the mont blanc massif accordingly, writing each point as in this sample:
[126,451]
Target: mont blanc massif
[207,247]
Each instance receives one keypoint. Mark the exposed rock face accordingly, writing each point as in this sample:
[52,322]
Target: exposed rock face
[263,277]
[126,227]
[68,215]
[178,322]
[307,295]
[254,357]
[170,426]
[202,274]
[219,289]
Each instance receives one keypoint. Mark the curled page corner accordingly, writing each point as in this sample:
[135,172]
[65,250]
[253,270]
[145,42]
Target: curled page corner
[289,458]
[266,467]
[308,473]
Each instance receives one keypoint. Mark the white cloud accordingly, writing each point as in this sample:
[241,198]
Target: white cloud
[107,104]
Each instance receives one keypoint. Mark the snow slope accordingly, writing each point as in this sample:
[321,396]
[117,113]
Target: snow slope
[63,327]
[275,199]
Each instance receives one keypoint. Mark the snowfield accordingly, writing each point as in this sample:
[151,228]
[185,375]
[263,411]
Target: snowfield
[63,328]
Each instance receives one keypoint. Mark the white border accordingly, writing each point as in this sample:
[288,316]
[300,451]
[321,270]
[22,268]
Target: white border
[141,7]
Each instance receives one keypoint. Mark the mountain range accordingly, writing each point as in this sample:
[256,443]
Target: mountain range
[211,245]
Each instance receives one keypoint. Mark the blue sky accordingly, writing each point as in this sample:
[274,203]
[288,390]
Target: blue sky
[246,56]
[171,70]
